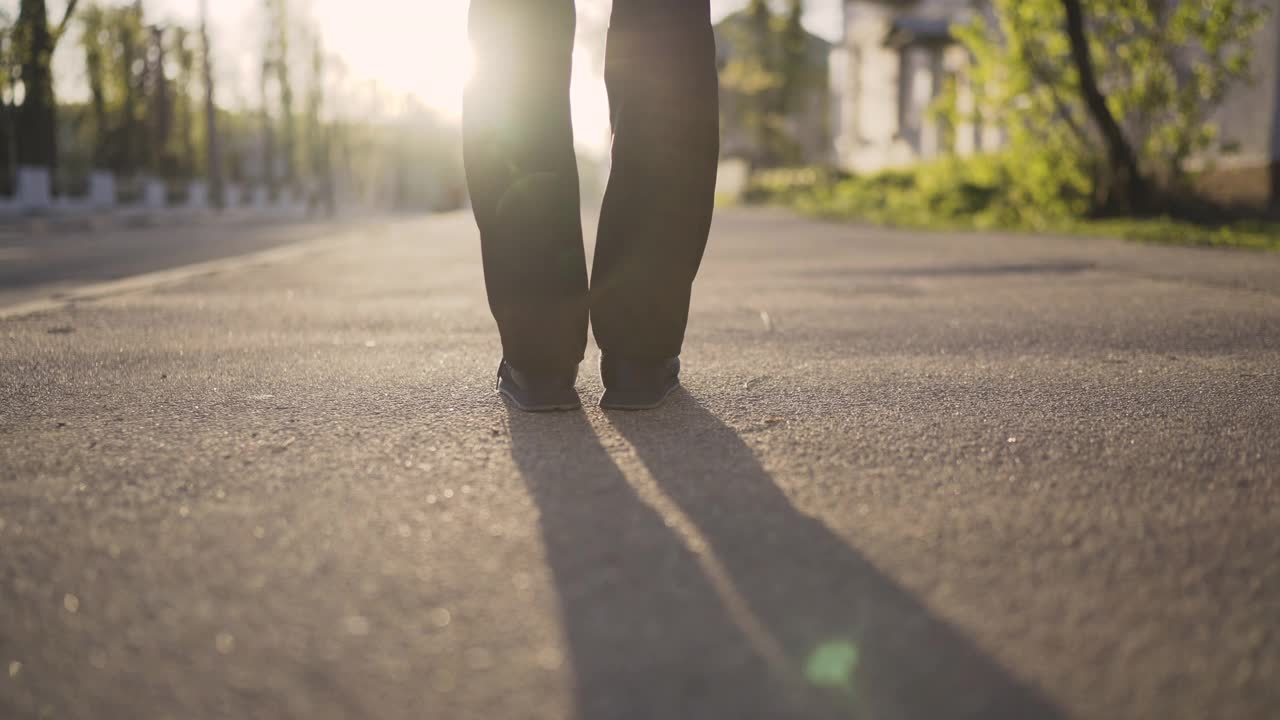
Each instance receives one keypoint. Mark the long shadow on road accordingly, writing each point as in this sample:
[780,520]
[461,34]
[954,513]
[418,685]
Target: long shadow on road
[646,635]
[649,632]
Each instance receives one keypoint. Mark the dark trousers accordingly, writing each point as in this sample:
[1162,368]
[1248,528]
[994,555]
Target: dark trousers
[661,76]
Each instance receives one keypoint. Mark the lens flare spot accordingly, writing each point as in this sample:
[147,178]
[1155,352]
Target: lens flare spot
[832,664]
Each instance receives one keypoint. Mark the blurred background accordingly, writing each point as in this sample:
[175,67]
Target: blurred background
[930,112]
[258,101]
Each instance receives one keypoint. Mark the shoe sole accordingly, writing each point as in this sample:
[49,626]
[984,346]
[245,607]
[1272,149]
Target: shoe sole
[548,408]
[608,403]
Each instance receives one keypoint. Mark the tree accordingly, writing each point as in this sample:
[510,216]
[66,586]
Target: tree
[1127,190]
[183,100]
[284,80]
[131,131]
[268,129]
[276,68]
[37,118]
[757,59]
[95,41]
[796,74]
[318,134]
[1104,104]
[212,148]
[159,105]
[794,56]
[767,75]
[760,27]
[9,71]
[132,97]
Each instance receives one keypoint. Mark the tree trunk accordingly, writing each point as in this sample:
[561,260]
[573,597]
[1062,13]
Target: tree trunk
[760,103]
[37,117]
[8,138]
[130,137]
[214,163]
[37,127]
[183,108]
[1275,143]
[1126,190]
[159,106]
[288,151]
[268,133]
[97,93]
[318,137]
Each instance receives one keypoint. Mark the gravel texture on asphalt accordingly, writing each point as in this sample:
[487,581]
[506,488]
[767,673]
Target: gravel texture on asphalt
[911,476]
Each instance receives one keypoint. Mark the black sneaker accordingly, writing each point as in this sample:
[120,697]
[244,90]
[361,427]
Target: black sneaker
[541,392]
[637,385]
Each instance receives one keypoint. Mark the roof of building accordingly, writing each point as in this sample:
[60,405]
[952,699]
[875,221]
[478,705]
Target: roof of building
[907,31]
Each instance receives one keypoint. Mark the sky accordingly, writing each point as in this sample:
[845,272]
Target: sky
[416,47]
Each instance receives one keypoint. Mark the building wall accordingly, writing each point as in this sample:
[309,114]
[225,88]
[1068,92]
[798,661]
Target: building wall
[1248,173]
[868,123]
[883,93]
[1248,117]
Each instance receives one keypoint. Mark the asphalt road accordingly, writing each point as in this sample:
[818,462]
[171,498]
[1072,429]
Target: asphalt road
[46,264]
[912,476]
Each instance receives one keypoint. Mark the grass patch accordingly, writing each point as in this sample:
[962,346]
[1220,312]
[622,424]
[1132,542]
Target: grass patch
[1250,235]
[983,193]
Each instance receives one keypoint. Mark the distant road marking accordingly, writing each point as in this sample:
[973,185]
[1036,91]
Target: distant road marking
[163,278]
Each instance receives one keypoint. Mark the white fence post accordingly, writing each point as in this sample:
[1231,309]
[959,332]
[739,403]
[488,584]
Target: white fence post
[197,195]
[733,178]
[35,188]
[102,190]
[154,194]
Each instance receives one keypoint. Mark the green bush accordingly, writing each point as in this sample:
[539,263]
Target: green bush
[999,191]
[1165,67]
[788,185]
[982,192]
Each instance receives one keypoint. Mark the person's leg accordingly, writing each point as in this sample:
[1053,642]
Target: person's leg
[663,97]
[523,178]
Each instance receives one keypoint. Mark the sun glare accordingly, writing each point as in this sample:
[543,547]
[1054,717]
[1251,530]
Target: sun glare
[424,51]
[448,64]
[407,48]
[414,48]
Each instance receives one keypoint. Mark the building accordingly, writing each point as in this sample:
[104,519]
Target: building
[893,63]
[898,55]
[1247,170]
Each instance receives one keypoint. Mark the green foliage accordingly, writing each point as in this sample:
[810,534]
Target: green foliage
[186,104]
[115,42]
[982,192]
[979,193]
[768,73]
[751,76]
[278,58]
[789,186]
[145,111]
[793,53]
[1165,66]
